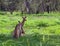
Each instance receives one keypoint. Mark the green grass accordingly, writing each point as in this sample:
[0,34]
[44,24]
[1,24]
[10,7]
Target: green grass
[40,29]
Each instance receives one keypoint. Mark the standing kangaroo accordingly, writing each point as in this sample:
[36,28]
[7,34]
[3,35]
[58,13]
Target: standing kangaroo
[19,28]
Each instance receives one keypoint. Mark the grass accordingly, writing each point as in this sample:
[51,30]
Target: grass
[40,29]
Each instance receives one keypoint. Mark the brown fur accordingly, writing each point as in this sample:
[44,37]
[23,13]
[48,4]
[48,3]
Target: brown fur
[19,28]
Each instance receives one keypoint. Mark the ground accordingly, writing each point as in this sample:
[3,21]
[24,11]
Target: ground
[40,29]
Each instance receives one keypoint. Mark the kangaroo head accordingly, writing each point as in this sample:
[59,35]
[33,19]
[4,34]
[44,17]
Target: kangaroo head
[24,18]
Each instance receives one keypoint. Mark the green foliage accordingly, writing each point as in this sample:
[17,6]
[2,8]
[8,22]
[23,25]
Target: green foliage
[40,29]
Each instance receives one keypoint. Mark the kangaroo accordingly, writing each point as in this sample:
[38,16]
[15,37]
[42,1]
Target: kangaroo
[19,28]
[16,31]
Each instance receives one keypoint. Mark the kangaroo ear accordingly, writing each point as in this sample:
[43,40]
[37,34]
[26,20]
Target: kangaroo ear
[18,21]
[25,17]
